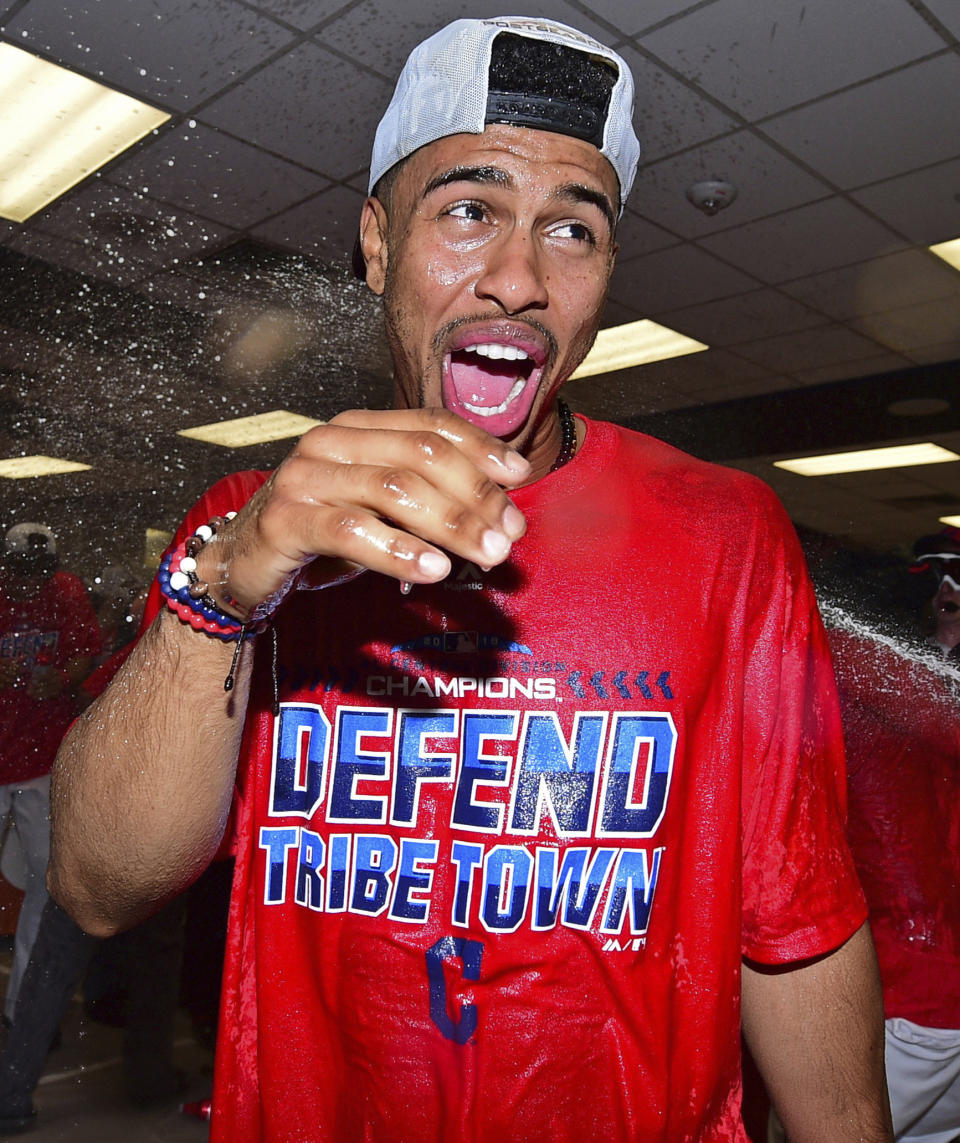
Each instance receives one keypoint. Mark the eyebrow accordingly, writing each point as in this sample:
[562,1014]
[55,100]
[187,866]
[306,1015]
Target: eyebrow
[495,176]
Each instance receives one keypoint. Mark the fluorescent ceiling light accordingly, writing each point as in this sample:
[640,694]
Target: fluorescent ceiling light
[275,426]
[57,127]
[948,251]
[636,343]
[19,467]
[864,460]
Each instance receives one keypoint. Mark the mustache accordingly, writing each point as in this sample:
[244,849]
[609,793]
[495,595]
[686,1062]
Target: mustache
[444,333]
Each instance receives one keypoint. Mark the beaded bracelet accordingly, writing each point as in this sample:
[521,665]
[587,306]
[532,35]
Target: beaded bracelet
[189,597]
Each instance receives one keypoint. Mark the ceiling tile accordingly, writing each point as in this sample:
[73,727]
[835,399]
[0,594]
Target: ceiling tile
[95,260]
[906,278]
[670,279]
[932,354]
[122,226]
[615,313]
[303,14]
[211,174]
[809,349]
[923,205]
[767,183]
[381,33]
[174,54]
[324,226]
[811,238]
[636,235]
[879,129]
[670,116]
[746,317]
[947,12]
[763,58]
[633,18]
[308,106]
[847,370]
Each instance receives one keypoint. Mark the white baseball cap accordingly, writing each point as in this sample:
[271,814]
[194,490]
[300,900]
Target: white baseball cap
[444,89]
[30,539]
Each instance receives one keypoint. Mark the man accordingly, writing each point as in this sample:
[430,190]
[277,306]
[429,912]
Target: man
[902,724]
[503,832]
[48,634]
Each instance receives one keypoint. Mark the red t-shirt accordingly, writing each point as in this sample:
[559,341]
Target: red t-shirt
[902,725]
[501,852]
[54,627]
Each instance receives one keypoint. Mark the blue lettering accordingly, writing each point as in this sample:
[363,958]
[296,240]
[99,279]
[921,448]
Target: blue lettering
[470,954]
[413,764]
[506,888]
[309,863]
[299,760]
[555,776]
[579,894]
[351,763]
[466,856]
[338,865]
[634,884]
[278,843]
[476,767]
[635,736]
[413,878]
[374,859]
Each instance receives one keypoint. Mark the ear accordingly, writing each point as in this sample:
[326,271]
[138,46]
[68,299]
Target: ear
[373,243]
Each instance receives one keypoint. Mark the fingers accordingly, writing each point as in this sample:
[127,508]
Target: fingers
[397,493]
[491,456]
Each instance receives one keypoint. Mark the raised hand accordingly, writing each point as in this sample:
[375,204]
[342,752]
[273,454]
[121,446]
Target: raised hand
[396,492]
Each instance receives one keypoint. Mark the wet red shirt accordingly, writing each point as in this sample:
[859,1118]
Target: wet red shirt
[902,725]
[503,848]
[42,633]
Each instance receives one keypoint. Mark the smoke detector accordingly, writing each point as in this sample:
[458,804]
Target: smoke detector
[712,195]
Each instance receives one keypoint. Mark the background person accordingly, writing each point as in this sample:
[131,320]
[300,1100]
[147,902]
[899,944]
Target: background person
[901,721]
[48,635]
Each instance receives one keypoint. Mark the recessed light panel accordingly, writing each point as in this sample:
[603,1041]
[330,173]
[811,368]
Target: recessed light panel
[636,343]
[57,127]
[275,426]
[865,460]
[948,251]
[20,467]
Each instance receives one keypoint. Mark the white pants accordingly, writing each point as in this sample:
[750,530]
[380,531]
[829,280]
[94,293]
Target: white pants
[27,806]
[923,1074]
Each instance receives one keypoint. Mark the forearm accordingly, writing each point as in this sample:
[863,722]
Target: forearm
[143,782]
[816,1033]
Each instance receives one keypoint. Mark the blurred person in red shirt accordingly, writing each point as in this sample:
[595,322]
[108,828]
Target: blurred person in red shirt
[48,636]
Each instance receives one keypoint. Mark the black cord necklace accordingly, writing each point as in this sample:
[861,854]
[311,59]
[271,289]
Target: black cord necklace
[568,436]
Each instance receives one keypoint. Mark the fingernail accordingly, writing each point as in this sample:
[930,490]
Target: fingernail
[513,462]
[496,546]
[513,521]
[434,565]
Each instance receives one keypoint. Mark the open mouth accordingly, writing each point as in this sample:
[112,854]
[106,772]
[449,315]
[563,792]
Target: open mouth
[487,378]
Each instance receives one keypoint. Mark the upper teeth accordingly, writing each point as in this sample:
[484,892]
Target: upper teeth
[496,351]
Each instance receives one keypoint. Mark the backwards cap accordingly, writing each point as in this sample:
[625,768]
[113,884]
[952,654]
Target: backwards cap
[30,539]
[444,89]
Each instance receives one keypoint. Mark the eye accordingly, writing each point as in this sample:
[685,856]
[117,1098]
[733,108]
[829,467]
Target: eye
[471,211]
[575,231]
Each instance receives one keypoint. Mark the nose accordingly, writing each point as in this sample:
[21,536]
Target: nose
[513,274]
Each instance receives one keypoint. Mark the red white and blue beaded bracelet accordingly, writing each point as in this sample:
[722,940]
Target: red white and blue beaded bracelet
[189,597]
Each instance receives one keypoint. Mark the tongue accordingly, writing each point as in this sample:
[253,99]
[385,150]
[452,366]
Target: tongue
[486,385]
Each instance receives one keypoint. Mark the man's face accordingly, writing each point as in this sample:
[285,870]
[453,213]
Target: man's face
[946,602]
[493,258]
